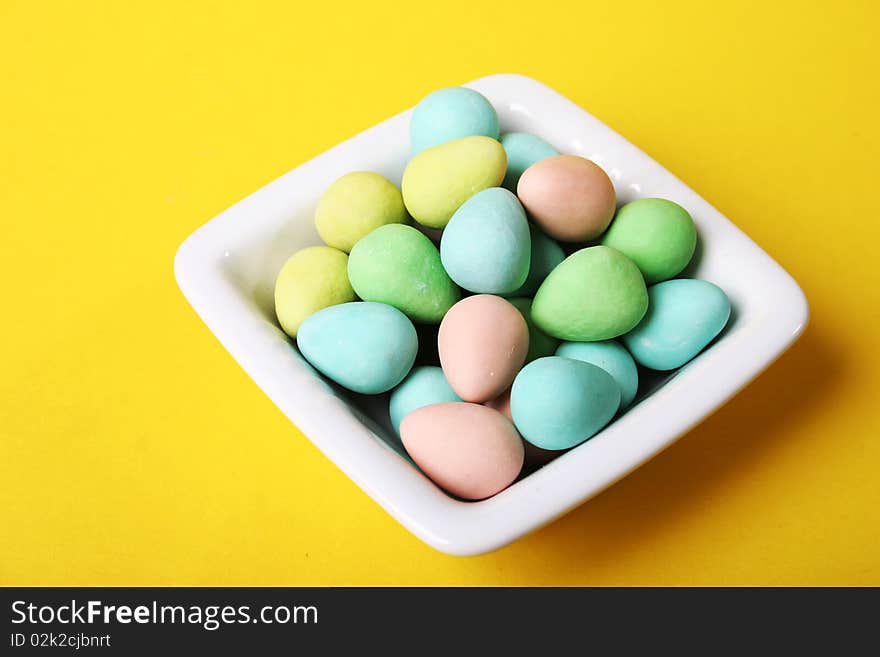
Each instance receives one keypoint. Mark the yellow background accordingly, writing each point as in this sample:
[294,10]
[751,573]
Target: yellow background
[135,451]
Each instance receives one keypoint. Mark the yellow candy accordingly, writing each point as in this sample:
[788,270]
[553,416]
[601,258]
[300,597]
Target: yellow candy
[438,180]
[311,279]
[356,204]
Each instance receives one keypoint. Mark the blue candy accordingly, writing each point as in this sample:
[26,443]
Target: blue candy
[486,246]
[363,346]
[449,114]
[558,403]
[684,315]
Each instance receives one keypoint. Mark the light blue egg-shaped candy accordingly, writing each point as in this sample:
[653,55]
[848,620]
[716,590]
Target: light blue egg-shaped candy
[364,346]
[424,386]
[523,150]
[448,114]
[558,403]
[684,315]
[545,255]
[486,246]
[611,357]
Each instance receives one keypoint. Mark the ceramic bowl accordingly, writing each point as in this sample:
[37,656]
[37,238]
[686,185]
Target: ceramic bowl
[227,268]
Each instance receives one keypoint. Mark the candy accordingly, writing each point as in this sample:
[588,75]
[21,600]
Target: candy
[569,197]
[558,403]
[449,114]
[363,346]
[483,341]
[356,204]
[596,293]
[467,449]
[438,180]
[684,316]
[506,391]
[658,235]
[523,150]
[486,246]
[540,344]
[310,280]
[545,255]
[400,266]
[423,386]
[612,358]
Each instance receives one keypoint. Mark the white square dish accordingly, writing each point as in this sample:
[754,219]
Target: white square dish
[227,268]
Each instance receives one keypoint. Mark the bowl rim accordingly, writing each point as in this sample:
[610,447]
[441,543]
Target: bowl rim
[345,436]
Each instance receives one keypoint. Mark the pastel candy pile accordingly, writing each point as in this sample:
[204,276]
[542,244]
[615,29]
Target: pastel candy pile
[523,352]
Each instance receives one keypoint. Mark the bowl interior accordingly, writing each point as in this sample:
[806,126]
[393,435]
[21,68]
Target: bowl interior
[252,264]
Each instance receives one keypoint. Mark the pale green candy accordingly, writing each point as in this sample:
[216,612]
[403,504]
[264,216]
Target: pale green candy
[356,204]
[612,358]
[545,255]
[363,346]
[596,293]
[311,279]
[438,180]
[540,344]
[523,150]
[400,266]
[684,316]
[486,245]
[558,403]
[423,386]
[658,235]
[449,114]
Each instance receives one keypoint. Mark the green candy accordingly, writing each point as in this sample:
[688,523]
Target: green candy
[438,180]
[540,344]
[398,265]
[658,235]
[596,293]
[356,204]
